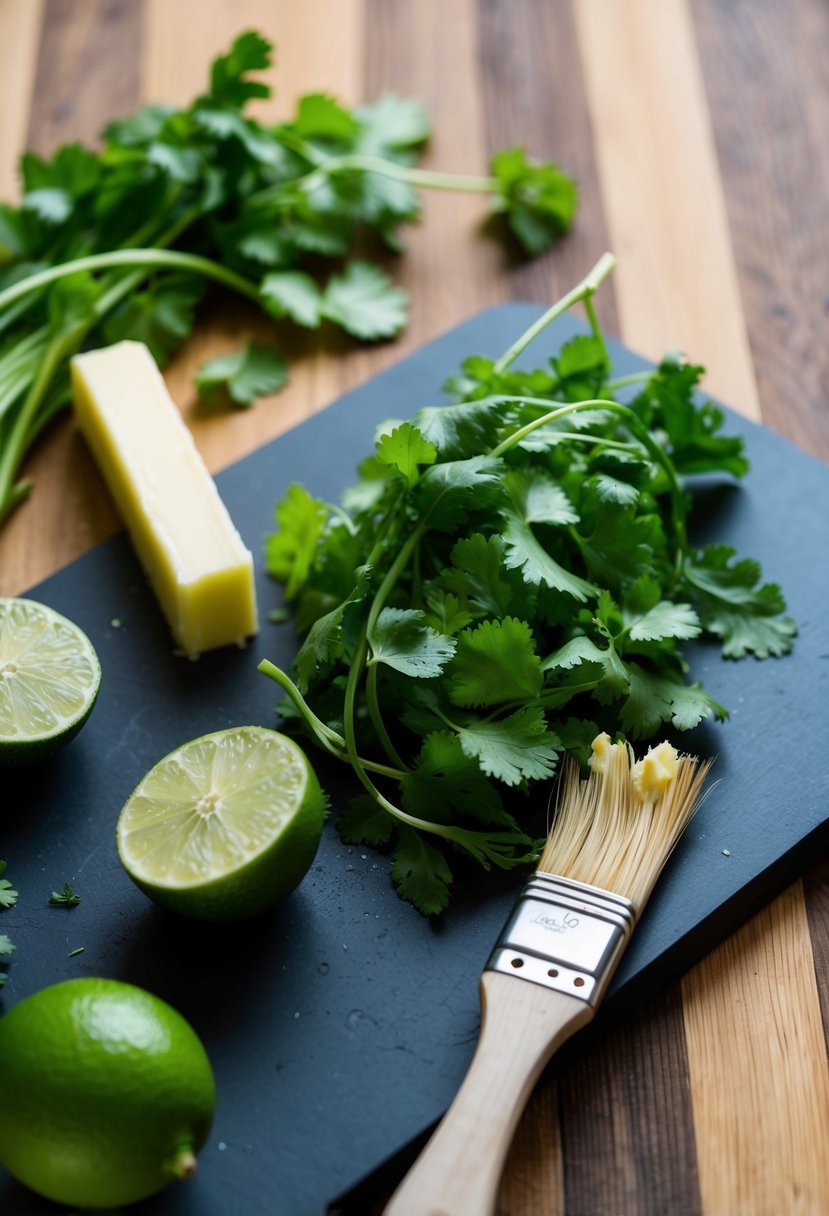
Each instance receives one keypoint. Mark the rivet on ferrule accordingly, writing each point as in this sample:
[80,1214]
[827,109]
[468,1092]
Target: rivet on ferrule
[565,935]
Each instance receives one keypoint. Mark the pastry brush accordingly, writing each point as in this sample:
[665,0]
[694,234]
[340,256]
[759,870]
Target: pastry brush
[612,834]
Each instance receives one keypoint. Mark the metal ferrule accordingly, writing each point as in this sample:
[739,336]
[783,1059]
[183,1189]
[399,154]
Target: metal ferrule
[565,935]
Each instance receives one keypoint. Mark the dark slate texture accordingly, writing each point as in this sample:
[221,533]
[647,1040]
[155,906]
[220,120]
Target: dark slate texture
[341,1024]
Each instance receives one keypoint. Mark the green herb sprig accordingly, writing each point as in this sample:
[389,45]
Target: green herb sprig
[8,899]
[65,898]
[511,574]
[8,895]
[120,244]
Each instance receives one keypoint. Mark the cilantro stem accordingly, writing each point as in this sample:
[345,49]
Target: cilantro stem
[624,381]
[482,845]
[426,178]
[596,328]
[582,291]
[332,742]
[641,432]
[149,258]
[10,495]
[376,716]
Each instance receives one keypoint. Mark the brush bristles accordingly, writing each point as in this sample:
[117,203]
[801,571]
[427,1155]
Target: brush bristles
[606,834]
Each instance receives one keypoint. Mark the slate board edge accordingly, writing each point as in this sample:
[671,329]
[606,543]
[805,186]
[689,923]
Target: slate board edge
[704,935]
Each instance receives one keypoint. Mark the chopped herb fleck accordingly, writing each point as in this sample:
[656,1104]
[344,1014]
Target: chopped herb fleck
[65,898]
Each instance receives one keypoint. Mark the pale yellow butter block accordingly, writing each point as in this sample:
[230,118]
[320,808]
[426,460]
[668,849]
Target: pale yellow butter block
[196,561]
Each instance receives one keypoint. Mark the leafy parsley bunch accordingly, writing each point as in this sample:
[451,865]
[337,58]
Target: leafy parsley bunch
[510,575]
[119,243]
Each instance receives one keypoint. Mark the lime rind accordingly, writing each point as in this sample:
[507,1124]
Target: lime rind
[225,825]
[49,680]
[113,1093]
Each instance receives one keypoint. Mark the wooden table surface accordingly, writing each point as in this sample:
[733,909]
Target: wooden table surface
[697,130]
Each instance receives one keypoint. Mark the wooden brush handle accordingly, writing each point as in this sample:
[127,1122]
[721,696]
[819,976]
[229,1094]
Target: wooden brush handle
[458,1172]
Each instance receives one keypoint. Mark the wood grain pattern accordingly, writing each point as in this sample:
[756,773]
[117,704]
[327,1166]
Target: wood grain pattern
[84,55]
[87,52]
[653,145]
[533,96]
[772,129]
[663,200]
[816,893]
[412,50]
[19,32]
[318,47]
[614,1103]
[756,1046]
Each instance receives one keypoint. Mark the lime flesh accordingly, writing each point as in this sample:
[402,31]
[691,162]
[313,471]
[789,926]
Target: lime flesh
[107,1093]
[49,680]
[225,826]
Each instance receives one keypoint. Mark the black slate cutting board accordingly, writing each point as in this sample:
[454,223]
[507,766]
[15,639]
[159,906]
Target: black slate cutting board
[340,1025]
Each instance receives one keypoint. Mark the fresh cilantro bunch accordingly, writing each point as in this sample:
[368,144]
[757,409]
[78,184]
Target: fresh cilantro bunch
[510,575]
[120,243]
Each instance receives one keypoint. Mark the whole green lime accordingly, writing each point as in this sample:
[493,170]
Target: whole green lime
[224,826]
[108,1093]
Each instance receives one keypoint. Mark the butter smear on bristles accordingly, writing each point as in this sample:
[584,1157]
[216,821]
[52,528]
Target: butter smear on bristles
[616,829]
[196,561]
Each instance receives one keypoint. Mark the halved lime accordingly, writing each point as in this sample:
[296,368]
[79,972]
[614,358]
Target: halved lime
[49,679]
[224,826]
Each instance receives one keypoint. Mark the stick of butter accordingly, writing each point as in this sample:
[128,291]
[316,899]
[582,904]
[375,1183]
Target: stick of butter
[196,561]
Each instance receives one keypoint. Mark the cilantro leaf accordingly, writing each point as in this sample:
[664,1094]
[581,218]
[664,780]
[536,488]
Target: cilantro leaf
[538,199]
[6,946]
[495,663]
[229,83]
[611,489]
[294,294]
[572,547]
[665,620]
[65,897]
[667,401]
[160,317]
[289,552]
[447,782]
[253,372]
[324,642]
[735,606]
[581,366]
[221,195]
[365,822]
[420,873]
[538,499]
[460,430]
[320,116]
[477,573]
[525,552]
[655,699]
[392,124]
[365,302]
[402,639]
[404,449]
[52,205]
[578,650]
[513,749]
[446,612]
[8,895]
